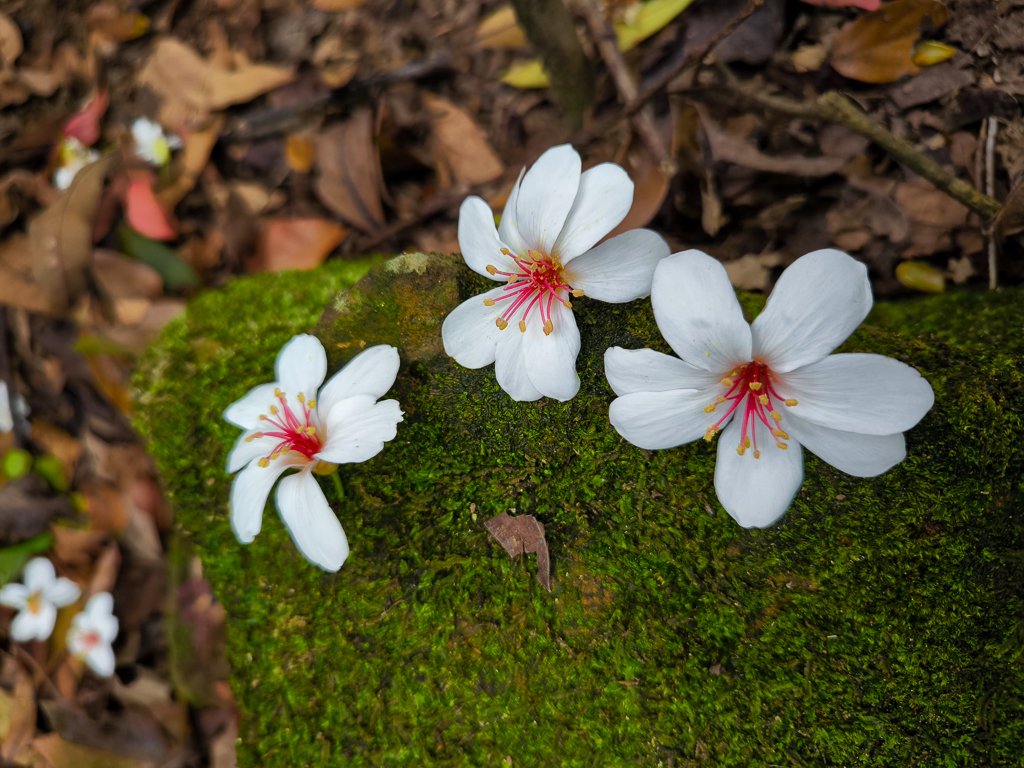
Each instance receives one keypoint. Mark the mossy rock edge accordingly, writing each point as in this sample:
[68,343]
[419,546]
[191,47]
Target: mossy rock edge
[880,623]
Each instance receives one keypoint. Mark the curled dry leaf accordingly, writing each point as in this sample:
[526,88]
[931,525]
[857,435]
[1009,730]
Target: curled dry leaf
[349,181]
[461,150]
[521,535]
[296,243]
[11,44]
[878,46]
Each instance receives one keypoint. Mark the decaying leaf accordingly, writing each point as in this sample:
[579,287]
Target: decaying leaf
[501,30]
[350,180]
[11,44]
[878,46]
[294,243]
[17,708]
[461,150]
[521,535]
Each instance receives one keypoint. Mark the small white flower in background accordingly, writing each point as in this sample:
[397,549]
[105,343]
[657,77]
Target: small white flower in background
[769,387]
[544,253]
[152,144]
[72,157]
[6,416]
[37,600]
[289,425]
[92,632]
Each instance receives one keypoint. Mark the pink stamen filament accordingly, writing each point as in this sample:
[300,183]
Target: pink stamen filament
[538,276]
[753,386]
[291,432]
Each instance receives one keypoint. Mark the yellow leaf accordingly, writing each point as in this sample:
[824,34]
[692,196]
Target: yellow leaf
[921,276]
[929,52]
[501,30]
[527,76]
[649,18]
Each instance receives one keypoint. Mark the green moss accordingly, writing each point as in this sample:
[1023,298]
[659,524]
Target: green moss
[878,624]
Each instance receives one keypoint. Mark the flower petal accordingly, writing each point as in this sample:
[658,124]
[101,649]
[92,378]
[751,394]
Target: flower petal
[818,301]
[469,333]
[656,420]
[249,494]
[546,196]
[849,452]
[869,394]
[311,522]
[644,370]
[246,449]
[62,592]
[100,659]
[551,358]
[620,269]
[603,200]
[697,312]
[14,595]
[34,626]
[301,366]
[510,367]
[508,230]
[371,372]
[756,492]
[478,239]
[245,412]
[39,574]
[360,434]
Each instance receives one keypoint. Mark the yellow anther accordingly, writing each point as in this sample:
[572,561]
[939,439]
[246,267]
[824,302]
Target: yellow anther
[710,433]
[577,292]
[278,392]
[506,251]
[755,385]
[741,449]
[790,402]
[762,399]
[746,442]
[253,436]
[783,446]
[548,327]
[780,434]
[273,410]
[727,382]
[264,462]
[710,408]
[775,415]
[300,397]
[310,430]
[522,326]
[312,403]
[757,454]
[502,323]
[488,302]
[568,304]
[491,269]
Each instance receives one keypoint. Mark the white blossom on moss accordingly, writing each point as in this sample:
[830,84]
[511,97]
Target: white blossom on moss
[37,600]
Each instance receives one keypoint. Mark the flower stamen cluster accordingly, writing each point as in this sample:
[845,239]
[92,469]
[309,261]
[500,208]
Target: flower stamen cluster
[753,386]
[537,276]
[296,433]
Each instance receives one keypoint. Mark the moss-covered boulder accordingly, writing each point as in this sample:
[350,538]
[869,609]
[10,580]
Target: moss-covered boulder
[880,623]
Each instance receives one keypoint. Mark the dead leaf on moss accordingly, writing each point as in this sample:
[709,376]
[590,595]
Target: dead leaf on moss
[349,180]
[521,535]
[461,149]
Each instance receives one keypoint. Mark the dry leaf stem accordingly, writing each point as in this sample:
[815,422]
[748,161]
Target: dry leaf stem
[834,107]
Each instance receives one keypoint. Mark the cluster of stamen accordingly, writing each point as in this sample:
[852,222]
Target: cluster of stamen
[293,431]
[538,282]
[751,395]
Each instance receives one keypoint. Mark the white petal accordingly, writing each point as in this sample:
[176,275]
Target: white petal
[62,592]
[99,610]
[100,659]
[869,394]
[246,411]
[360,434]
[246,450]
[301,366]
[39,574]
[621,269]
[478,239]
[697,312]
[656,420]
[818,301]
[249,494]
[510,367]
[6,417]
[551,359]
[603,200]
[14,595]
[508,230]
[371,372]
[34,626]
[849,452]
[756,492]
[546,196]
[312,524]
[644,370]
[469,333]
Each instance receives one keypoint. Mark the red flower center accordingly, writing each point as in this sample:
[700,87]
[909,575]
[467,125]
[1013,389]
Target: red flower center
[294,430]
[752,396]
[538,282]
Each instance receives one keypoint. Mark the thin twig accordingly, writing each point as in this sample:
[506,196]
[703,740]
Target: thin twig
[992,127]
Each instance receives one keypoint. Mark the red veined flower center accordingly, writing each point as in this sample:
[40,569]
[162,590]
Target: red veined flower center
[89,640]
[294,430]
[537,282]
[751,395]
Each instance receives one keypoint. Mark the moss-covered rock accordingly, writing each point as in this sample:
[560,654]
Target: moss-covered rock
[880,623]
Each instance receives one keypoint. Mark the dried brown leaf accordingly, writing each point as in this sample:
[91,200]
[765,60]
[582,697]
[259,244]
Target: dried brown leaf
[119,277]
[349,181]
[17,709]
[522,535]
[753,272]
[11,44]
[60,753]
[296,243]
[501,30]
[461,149]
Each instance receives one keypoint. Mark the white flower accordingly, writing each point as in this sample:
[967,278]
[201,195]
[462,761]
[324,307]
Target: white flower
[543,252]
[152,144]
[6,415]
[72,157]
[37,600]
[288,425]
[92,632]
[769,387]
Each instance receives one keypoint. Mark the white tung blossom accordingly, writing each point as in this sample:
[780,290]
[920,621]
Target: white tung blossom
[92,632]
[289,425]
[37,600]
[72,156]
[770,387]
[544,252]
[152,144]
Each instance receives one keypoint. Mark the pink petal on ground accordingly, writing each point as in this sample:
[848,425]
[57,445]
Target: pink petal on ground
[85,125]
[144,212]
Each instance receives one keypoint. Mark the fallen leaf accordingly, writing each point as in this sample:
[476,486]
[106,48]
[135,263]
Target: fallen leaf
[110,23]
[144,211]
[336,5]
[921,276]
[294,243]
[349,181]
[58,443]
[961,270]
[867,5]
[119,277]
[461,149]
[60,753]
[650,188]
[11,44]
[877,47]
[299,152]
[176,273]
[192,160]
[521,535]
[500,30]
[18,699]
[85,125]
[928,53]
[753,272]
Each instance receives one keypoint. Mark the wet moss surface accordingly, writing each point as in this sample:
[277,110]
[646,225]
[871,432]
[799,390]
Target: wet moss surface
[881,623]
